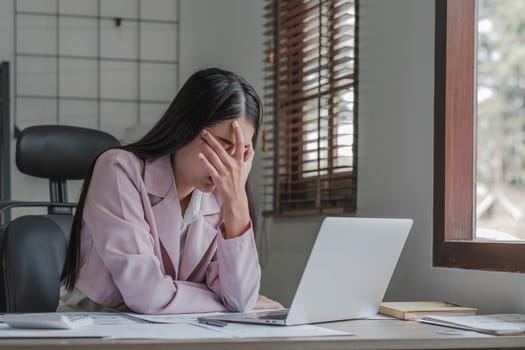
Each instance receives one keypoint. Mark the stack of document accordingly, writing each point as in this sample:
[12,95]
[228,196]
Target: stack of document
[497,324]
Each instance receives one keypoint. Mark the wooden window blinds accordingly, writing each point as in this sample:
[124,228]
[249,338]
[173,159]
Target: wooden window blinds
[310,130]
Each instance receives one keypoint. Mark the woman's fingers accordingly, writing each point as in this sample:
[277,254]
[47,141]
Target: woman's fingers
[211,169]
[215,145]
[234,163]
[213,158]
[267,303]
[238,141]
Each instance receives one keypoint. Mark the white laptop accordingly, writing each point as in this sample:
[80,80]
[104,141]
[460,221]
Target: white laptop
[346,275]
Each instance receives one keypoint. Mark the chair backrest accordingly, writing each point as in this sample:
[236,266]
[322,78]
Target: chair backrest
[33,247]
[59,153]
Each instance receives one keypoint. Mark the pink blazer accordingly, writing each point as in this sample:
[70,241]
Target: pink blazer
[130,241]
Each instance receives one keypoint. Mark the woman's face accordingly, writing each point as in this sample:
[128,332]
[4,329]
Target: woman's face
[190,170]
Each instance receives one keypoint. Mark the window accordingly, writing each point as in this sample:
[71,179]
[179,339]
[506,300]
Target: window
[309,138]
[500,126]
[455,243]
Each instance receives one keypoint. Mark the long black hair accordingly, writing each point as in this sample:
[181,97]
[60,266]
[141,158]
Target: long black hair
[208,97]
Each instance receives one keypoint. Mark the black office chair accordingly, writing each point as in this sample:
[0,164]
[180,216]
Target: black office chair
[33,247]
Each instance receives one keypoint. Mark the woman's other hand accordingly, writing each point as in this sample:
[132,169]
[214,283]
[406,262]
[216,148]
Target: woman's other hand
[267,303]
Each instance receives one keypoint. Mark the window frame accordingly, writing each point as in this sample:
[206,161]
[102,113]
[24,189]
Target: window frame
[454,171]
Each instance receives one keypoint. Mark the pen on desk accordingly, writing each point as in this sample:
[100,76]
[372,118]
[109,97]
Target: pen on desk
[216,323]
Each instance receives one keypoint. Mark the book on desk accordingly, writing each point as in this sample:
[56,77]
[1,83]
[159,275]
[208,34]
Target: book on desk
[413,310]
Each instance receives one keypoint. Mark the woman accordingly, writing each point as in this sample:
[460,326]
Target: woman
[165,225]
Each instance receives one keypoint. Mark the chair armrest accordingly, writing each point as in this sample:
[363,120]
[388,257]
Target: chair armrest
[6,205]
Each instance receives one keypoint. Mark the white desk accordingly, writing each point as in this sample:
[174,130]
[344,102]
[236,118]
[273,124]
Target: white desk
[369,334]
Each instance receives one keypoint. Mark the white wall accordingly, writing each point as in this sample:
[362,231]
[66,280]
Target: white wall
[395,170]
[222,33]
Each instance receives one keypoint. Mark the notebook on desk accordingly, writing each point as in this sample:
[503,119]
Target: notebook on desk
[346,275]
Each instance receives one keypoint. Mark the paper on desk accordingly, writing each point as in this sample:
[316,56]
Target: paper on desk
[106,318]
[8,332]
[122,326]
[101,318]
[243,330]
[497,324]
[171,318]
[116,326]
[240,330]
[130,331]
[181,326]
[172,331]
[164,331]
[181,318]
